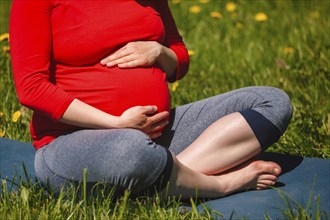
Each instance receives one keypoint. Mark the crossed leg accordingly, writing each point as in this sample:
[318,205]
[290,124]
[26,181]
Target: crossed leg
[218,159]
[188,175]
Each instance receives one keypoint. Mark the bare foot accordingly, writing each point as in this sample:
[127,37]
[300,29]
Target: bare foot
[250,175]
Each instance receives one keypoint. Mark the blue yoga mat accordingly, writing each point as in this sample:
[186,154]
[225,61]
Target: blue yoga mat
[302,179]
[12,155]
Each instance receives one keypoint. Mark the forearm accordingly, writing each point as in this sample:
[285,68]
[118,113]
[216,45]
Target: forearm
[83,115]
[168,61]
[143,118]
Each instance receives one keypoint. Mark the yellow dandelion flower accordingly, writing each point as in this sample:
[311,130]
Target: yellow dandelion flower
[195,9]
[174,86]
[16,116]
[4,37]
[216,14]
[204,1]
[230,6]
[288,50]
[191,52]
[176,1]
[1,114]
[2,133]
[6,49]
[260,16]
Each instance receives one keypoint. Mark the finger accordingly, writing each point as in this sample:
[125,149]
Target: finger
[159,125]
[125,59]
[154,135]
[131,64]
[158,117]
[116,55]
[148,109]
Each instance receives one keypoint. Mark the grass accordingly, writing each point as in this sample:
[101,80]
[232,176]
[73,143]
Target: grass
[289,50]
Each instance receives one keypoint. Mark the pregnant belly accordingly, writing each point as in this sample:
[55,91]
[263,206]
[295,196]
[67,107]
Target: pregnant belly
[114,90]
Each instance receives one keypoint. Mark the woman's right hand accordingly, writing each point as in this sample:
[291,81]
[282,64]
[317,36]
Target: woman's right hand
[144,119]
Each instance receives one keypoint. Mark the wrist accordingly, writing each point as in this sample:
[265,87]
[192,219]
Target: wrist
[161,53]
[114,122]
[168,61]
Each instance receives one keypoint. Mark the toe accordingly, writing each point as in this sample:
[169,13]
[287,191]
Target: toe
[276,169]
[266,183]
[268,177]
[271,168]
[261,186]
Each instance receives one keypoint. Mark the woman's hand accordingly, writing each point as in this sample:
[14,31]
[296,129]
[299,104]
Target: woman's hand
[143,54]
[144,118]
[135,54]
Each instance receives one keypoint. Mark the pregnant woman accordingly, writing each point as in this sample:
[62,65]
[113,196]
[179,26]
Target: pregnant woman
[95,75]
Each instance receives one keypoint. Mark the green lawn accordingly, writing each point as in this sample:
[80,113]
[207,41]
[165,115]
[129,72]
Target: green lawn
[288,49]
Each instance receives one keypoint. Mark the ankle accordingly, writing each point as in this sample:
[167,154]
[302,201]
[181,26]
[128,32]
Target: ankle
[224,187]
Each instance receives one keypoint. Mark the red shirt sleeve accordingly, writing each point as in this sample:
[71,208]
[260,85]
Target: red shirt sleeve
[174,40]
[31,49]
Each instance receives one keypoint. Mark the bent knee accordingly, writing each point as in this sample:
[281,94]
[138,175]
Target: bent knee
[284,108]
[136,163]
[276,107]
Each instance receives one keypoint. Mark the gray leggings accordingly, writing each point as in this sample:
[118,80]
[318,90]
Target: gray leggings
[128,159]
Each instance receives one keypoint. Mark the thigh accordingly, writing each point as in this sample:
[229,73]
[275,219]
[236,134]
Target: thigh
[187,122]
[123,157]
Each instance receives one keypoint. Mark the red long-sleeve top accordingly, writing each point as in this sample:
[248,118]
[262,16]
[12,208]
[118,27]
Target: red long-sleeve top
[56,48]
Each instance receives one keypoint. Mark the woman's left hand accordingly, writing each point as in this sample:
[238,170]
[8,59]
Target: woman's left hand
[135,54]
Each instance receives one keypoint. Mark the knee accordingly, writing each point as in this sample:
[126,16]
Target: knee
[284,102]
[139,162]
[132,145]
[282,106]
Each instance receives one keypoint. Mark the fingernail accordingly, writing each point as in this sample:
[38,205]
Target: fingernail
[276,170]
